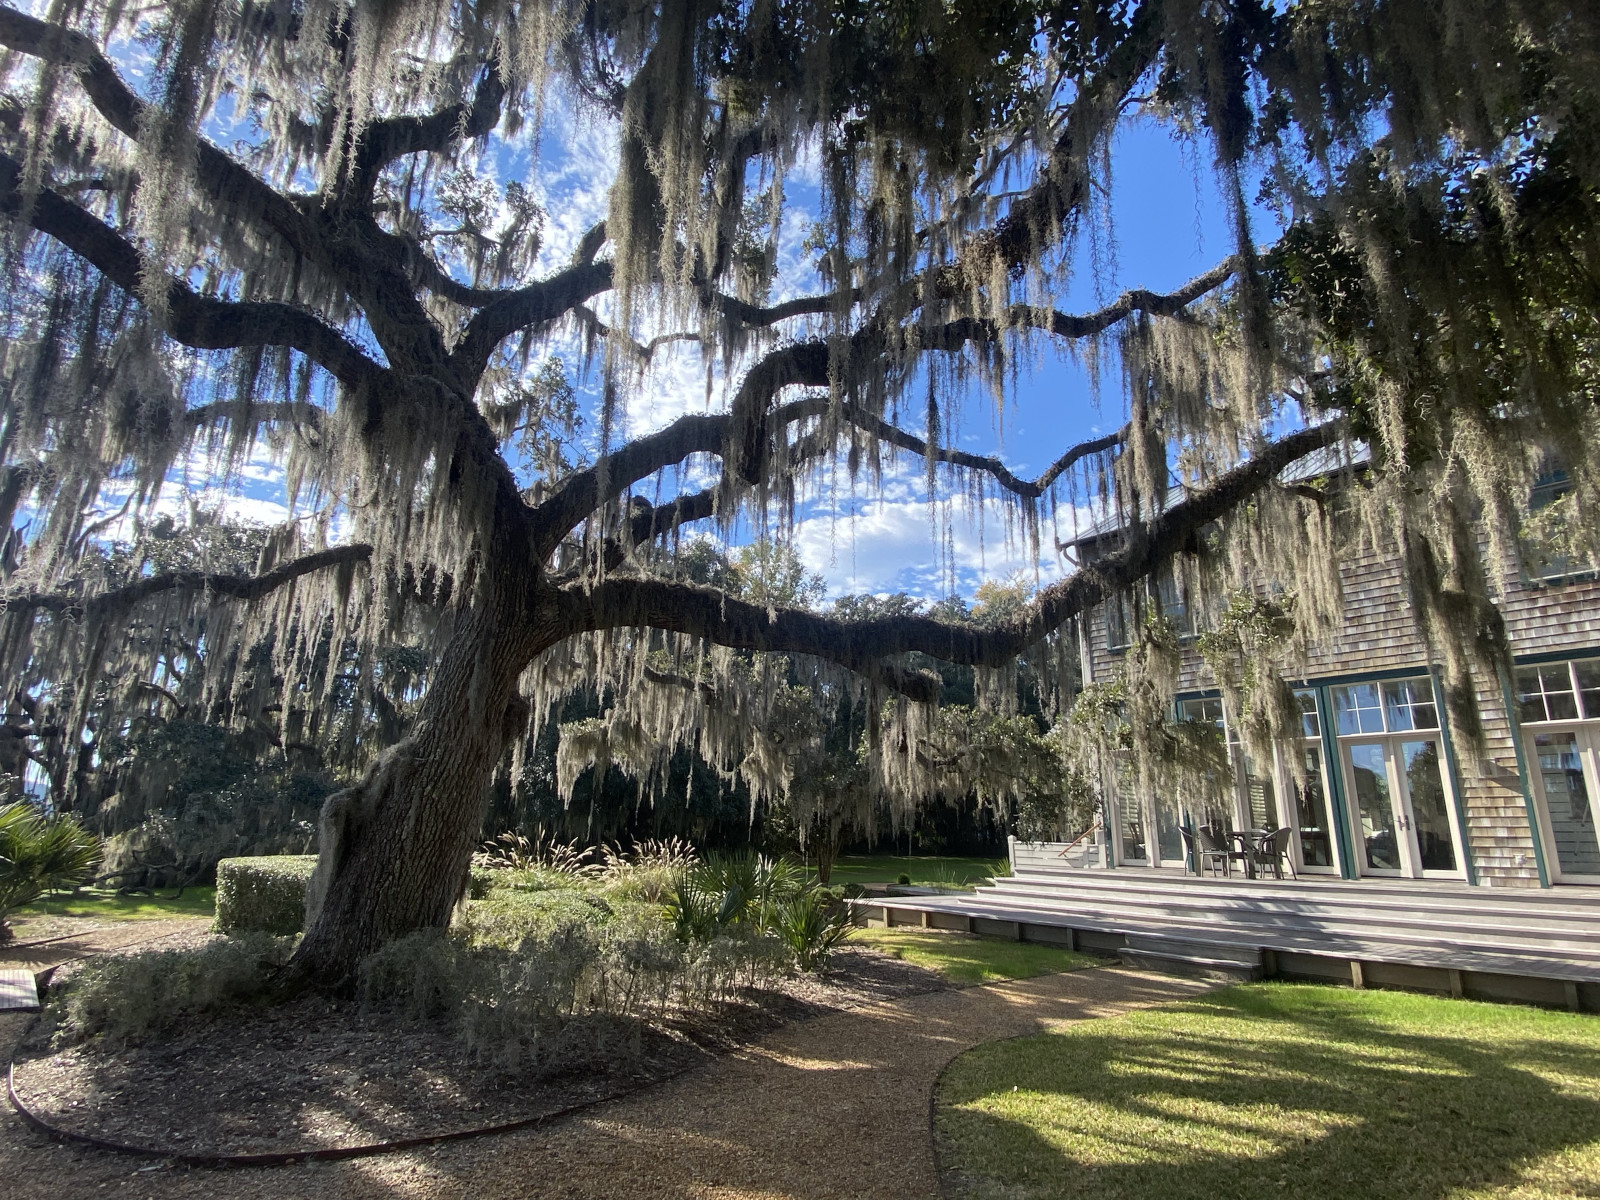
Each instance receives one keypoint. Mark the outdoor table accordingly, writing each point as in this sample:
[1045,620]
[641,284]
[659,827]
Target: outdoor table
[1249,840]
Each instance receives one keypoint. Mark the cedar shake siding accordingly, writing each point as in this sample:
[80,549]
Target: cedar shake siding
[1545,622]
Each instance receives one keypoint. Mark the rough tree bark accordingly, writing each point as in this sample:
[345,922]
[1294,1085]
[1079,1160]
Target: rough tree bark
[394,849]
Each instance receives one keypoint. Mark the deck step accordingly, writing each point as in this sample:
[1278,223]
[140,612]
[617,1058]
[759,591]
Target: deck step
[1244,956]
[1196,965]
[1181,956]
[19,989]
[1572,938]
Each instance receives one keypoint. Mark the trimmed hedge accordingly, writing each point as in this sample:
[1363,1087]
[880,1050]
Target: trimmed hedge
[265,895]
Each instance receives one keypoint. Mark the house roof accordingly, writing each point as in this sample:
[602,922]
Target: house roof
[1319,464]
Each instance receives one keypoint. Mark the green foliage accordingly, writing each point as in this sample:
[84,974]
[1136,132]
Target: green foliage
[811,926]
[507,917]
[535,977]
[128,997]
[903,879]
[39,854]
[265,895]
[751,894]
[1044,817]
[772,573]
[206,791]
[731,889]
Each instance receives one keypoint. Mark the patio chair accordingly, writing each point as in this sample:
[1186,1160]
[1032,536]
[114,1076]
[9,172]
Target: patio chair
[1191,858]
[1273,851]
[1214,849]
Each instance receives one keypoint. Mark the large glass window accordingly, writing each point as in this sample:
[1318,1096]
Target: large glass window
[1356,709]
[1311,814]
[1125,612]
[1394,706]
[1561,691]
[1408,704]
[1261,799]
[1375,807]
[1565,763]
[1431,817]
[1206,708]
[1310,722]
[1568,805]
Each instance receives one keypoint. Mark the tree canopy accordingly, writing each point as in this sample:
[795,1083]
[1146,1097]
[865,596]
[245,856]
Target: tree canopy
[258,222]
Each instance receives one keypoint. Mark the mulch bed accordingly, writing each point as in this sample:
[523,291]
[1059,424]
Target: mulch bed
[314,1073]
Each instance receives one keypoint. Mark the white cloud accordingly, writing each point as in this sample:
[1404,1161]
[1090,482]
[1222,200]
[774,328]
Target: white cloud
[898,542]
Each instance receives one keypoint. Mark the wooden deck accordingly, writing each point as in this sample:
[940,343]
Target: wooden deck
[1539,946]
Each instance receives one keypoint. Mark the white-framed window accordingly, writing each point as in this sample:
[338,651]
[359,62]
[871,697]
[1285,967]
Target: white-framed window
[1559,691]
[1125,611]
[1402,804]
[1558,704]
[1310,815]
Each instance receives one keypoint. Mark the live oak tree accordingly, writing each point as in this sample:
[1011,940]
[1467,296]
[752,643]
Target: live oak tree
[277,236]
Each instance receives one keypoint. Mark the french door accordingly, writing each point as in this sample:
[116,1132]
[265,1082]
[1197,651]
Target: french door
[1401,811]
[1568,793]
[1316,845]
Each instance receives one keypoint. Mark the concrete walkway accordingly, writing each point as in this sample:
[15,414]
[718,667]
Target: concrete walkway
[832,1108]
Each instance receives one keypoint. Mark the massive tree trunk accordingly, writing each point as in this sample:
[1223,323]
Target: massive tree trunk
[395,848]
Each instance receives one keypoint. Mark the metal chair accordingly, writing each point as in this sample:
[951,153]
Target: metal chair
[1214,849]
[1273,851]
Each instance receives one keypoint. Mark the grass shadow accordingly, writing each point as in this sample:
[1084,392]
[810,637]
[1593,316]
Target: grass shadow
[1272,1089]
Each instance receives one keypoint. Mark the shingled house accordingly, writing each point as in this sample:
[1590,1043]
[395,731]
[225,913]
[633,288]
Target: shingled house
[1387,795]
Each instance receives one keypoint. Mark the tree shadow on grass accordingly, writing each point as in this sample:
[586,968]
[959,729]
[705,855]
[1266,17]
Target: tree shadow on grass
[1276,1091]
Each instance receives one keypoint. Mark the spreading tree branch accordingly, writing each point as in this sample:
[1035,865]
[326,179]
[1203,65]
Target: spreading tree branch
[385,140]
[234,587]
[194,320]
[536,304]
[226,180]
[868,646]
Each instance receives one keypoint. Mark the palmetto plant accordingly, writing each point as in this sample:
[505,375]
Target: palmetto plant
[811,927]
[766,895]
[40,854]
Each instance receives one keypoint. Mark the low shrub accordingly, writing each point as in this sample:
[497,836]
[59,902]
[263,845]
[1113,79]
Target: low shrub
[127,997]
[647,884]
[903,879]
[263,895]
[766,897]
[569,986]
[727,890]
[506,917]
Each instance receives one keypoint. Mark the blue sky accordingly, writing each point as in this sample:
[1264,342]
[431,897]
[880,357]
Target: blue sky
[1170,224]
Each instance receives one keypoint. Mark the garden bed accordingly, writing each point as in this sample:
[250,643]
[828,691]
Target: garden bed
[317,1074]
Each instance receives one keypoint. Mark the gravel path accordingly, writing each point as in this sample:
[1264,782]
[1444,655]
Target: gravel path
[832,1108]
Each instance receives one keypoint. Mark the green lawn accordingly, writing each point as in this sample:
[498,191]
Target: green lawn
[925,870]
[105,905]
[967,959]
[1283,1090]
